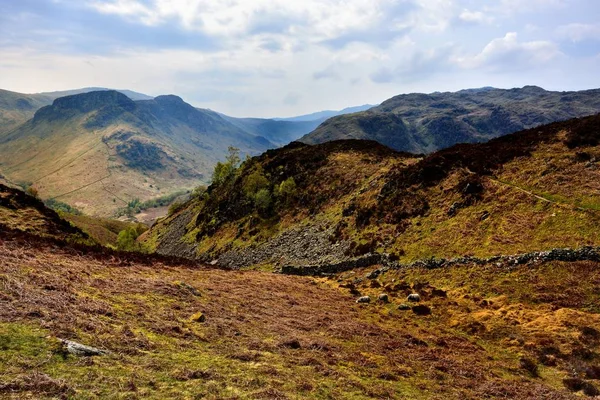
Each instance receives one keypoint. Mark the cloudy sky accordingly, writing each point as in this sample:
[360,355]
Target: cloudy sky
[288,57]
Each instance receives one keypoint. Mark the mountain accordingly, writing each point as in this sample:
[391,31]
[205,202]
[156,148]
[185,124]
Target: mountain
[100,150]
[330,203]
[423,123]
[129,93]
[323,115]
[17,108]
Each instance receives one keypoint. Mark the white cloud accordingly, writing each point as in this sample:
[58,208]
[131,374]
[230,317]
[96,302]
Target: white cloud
[519,6]
[579,32]
[323,19]
[508,54]
[474,17]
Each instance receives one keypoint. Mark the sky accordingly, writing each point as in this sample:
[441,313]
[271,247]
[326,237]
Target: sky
[278,58]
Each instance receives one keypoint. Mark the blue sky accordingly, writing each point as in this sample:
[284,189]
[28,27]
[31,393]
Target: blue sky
[287,57]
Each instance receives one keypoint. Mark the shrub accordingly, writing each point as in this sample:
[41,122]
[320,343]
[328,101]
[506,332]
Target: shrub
[288,189]
[32,192]
[176,206]
[59,206]
[127,240]
[254,183]
[225,170]
[262,200]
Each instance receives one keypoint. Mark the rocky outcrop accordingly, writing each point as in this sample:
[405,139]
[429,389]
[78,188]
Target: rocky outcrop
[309,245]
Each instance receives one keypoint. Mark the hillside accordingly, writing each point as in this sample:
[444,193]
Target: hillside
[170,329]
[99,151]
[325,204]
[21,212]
[423,123]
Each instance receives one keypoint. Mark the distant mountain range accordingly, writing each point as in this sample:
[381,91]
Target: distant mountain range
[323,115]
[423,123]
[98,150]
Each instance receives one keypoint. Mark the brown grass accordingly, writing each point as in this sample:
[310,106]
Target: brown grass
[274,336]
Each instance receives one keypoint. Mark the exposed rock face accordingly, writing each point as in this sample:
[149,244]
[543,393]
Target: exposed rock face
[306,245]
[175,246]
[422,123]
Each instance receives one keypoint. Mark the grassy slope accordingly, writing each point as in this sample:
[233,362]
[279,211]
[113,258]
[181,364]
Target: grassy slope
[536,191]
[16,108]
[21,212]
[273,336]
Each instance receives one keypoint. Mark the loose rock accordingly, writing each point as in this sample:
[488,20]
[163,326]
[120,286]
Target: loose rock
[404,307]
[79,349]
[384,298]
[421,309]
[364,299]
[198,317]
[414,297]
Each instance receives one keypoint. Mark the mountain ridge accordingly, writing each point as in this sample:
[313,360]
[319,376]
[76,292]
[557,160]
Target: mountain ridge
[423,123]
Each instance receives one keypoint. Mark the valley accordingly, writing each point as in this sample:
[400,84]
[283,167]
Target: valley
[279,200]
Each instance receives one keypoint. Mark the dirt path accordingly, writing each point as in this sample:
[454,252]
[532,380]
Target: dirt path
[558,203]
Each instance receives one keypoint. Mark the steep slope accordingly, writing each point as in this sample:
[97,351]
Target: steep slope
[423,123]
[533,190]
[172,330]
[21,212]
[97,151]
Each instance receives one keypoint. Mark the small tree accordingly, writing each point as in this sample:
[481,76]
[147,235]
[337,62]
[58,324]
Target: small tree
[127,240]
[287,189]
[254,183]
[225,170]
[262,200]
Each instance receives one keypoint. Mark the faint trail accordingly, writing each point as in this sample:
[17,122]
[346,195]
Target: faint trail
[68,163]
[89,184]
[82,187]
[37,154]
[558,203]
